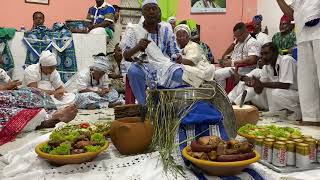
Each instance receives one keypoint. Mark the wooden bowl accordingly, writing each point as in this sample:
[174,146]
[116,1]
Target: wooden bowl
[250,138]
[69,159]
[221,168]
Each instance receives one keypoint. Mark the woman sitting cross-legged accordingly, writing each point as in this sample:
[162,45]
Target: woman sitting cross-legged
[93,86]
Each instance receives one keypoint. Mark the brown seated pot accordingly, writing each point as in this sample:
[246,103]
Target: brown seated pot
[130,135]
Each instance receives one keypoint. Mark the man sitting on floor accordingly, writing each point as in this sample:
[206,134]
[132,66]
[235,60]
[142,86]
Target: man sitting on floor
[236,94]
[101,17]
[93,86]
[45,77]
[245,51]
[279,82]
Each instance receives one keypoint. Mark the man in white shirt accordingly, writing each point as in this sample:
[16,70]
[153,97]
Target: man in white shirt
[306,15]
[261,37]
[246,51]
[279,82]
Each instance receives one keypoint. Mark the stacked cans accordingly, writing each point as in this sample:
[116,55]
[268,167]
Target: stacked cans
[295,151]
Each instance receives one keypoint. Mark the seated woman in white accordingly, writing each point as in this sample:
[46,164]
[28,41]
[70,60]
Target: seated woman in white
[45,77]
[93,86]
[197,69]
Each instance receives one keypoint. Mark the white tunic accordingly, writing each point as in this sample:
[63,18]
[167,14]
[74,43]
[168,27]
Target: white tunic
[48,82]
[85,81]
[202,71]
[286,70]
[263,38]
[304,11]
[33,74]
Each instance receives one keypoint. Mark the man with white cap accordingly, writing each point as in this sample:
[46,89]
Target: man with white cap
[93,85]
[45,77]
[158,42]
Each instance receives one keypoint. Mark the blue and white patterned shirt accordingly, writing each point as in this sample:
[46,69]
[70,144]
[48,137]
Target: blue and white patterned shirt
[103,13]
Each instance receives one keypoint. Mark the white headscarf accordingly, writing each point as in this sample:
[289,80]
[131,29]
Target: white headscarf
[183,27]
[100,63]
[149,2]
[47,58]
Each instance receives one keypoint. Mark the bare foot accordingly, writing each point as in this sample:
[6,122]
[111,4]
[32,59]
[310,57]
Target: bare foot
[68,114]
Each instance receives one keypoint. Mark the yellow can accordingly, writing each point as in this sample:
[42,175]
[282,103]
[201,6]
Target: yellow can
[302,155]
[267,150]
[291,153]
[283,139]
[313,149]
[270,136]
[279,154]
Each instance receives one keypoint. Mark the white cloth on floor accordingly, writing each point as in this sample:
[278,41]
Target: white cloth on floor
[309,80]
[36,121]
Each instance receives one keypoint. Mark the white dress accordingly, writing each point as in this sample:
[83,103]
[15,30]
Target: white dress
[48,82]
[202,71]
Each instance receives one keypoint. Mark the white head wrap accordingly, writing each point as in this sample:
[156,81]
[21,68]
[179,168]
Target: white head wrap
[100,63]
[183,27]
[171,19]
[149,2]
[47,58]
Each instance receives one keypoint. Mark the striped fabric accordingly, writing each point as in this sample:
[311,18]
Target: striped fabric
[206,120]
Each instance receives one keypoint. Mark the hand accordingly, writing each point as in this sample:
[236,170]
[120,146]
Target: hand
[13,84]
[179,59]
[256,84]
[236,75]
[103,92]
[225,63]
[143,44]
[58,94]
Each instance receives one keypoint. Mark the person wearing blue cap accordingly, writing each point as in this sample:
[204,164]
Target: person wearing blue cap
[260,36]
[156,40]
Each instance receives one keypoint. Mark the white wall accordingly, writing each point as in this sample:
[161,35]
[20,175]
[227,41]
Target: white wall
[271,13]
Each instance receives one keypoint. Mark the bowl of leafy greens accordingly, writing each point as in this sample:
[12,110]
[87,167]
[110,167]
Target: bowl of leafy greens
[73,144]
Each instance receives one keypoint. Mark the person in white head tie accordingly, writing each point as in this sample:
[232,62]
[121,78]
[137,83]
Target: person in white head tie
[45,77]
[93,86]
[306,14]
[197,69]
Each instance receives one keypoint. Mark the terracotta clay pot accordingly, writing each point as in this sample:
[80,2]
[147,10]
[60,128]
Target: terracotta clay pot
[130,135]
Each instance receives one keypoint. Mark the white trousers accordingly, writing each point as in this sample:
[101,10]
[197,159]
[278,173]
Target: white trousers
[220,75]
[259,100]
[309,79]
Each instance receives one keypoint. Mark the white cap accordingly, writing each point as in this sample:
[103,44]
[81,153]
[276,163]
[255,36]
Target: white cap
[149,2]
[171,19]
[47,58]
